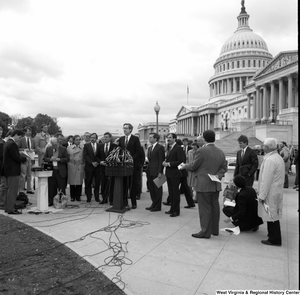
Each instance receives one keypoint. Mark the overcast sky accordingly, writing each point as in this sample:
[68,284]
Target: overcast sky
[95,64]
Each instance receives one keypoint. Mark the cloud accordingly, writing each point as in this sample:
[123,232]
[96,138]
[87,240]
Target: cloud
[27,65]
[20,6]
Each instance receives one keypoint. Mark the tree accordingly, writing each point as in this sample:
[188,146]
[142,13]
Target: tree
[41,119]
[27,121]
[5,122]
[15,118]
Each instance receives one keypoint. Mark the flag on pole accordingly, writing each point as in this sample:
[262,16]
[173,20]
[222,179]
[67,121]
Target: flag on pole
[187,89]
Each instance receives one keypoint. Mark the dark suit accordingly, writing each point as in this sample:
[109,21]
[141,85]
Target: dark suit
[175,157]
[155,158]
[2,177]
[26,167]
[132,183]
[90,171]
[12,171]
[208,160]
[57,182]
[244,214]
[247,166]
[107,182]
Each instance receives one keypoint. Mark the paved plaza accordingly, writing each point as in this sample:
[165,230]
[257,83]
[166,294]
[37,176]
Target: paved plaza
[150,253]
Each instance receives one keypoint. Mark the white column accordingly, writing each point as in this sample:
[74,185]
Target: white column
[281,98]
[241,84]
[248,105]
[228,86]
[253,114]
[290,92]
[234,85]
[265,107]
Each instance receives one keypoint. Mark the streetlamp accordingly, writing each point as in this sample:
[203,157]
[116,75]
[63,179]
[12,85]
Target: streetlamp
[226,122]
[273,112]
[157,109]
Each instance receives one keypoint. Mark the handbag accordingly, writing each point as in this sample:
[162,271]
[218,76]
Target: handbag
[60,201]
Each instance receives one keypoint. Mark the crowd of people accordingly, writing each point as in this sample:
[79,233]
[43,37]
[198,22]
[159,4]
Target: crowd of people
[193,168]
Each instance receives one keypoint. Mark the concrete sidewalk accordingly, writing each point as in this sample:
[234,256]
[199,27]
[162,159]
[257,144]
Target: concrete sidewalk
[150,253]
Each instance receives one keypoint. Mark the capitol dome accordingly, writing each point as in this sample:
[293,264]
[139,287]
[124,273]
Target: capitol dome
[244,40]
[241,56]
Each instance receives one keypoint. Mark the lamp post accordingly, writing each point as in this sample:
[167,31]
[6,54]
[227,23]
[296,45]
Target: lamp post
[157,109]
[226,122]
[273,112]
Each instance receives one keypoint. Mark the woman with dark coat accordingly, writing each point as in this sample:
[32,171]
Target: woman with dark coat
[244,214]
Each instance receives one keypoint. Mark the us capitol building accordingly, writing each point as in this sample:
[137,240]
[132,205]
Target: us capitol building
[249,91]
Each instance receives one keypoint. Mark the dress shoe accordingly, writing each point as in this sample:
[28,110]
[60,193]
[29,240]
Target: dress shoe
[72,200]
[148,208]
[16,212]
[166,203]
[103,202]
[174,215]
[188,206]
[88,201]
[30,192]
[267,242]
[255,228]
[78,200]
[154,210]
[195,201]
[127,208]
[169,212]
[133,207]
[199,236]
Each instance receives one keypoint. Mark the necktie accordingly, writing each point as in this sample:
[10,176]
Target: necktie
[106,149]
[28,143]
[94,147]
[242,154]
[150,151]
[126,141]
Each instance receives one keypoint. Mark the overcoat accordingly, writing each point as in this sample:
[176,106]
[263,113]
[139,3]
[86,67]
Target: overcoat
[75,165]
[270,185]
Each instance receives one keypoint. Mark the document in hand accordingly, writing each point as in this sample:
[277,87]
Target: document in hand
[214,178]
[160,181]
[229,203]
[29,155]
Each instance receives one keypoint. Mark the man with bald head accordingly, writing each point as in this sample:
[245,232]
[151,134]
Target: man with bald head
[270,187]
[57,156]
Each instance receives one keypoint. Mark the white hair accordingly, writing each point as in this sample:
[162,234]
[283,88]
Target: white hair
[271,143]
[52,139]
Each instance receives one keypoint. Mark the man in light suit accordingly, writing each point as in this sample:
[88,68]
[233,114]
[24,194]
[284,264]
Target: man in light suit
[107,182]
[41,141]
[208,160]
[12,170]
[246,161]
[91,154]
[270,186]
[156,156]
[133,145]
[58,157]
[174,157]
[26,144]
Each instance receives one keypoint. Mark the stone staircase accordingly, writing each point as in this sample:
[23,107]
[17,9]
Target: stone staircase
[229,144]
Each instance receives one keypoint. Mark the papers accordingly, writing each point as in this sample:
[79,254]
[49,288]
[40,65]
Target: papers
[28,154]
[267,209]
[214,178]
[180,166]
[232,230]
[229,203]
[160,181]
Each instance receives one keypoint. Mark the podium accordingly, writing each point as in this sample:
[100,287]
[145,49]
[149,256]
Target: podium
[42,189]
[119,171]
